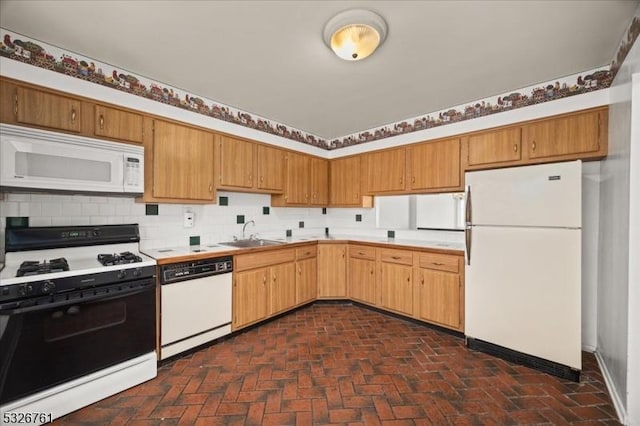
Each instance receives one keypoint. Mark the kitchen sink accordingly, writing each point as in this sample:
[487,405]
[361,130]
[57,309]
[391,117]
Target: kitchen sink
[251,243]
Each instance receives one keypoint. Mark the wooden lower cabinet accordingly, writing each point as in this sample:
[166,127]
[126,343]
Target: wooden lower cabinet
[306,280]
[362,280]
[332,271]
[283,287]
[264,284]
[439,289]
[396,287]
[250,297]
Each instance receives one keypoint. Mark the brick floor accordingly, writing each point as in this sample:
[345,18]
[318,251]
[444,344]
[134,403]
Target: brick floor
[343,364]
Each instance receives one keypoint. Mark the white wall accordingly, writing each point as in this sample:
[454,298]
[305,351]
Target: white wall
[633,365]
[614,237]
[590,219]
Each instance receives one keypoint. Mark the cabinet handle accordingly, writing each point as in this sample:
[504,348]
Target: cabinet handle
[15,104]
[299,270]
[361,253]
[401,180]
[250,177]
[306,196]
[395,257]
[261,179]
[210,188]
[264,279]
[413,179]
[307,253]
[274,278]
[101,122]
[73,115]
[533,146]
[437,263]
[372,272]
[515,147]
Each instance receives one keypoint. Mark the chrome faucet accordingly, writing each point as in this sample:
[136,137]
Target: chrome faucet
[245,227]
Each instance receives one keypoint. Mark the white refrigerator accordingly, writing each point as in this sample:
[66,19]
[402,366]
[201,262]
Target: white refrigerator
[523,272]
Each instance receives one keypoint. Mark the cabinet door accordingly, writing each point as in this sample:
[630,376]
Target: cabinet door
[396,287]
[182,162]
[574,134]
[345,181]
[47,110]
[283,287]
[236,163]
[270,168]
[439,297]
[297,180]
[332,268]
[386,170]
[494,147]
[319,181]
[435,164]
[250,296]
[306,284]
[117,124]
[362,280]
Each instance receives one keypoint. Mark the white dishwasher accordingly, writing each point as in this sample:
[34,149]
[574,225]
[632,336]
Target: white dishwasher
[195,303]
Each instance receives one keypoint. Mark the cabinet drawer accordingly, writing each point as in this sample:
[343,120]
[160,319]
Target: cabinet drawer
[362,252]
[307,251]
[257,260]
[441,262]
[396,256]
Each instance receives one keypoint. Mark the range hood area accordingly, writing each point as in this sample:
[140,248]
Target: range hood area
[38,160]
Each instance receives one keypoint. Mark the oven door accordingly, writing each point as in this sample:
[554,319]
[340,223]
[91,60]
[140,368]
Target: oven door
[48,344]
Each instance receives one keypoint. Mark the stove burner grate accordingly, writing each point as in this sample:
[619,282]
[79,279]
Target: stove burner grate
[118,259]
[31,267]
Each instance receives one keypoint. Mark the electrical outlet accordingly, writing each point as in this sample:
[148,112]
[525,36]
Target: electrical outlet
[189,217]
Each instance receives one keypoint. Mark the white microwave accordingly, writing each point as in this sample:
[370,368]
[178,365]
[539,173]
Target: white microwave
[42,160]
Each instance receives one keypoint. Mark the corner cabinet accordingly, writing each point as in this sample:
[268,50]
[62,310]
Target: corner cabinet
[332,271]
[345,183]
[306,182]
[181,164]
[248,167]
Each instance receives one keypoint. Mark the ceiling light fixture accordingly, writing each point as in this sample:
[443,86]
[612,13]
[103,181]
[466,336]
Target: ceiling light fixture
[355,34]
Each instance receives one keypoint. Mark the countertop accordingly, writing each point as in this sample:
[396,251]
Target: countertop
[187,253]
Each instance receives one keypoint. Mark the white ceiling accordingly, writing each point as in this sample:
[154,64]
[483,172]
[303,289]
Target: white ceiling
[268,57]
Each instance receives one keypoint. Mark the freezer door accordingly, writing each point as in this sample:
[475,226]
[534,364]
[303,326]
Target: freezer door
[541,195]
[522,291]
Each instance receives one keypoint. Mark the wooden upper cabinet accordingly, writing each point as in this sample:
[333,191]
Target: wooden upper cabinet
[319,181]
[386,170]
[573,134]
[44,109]
[297,179]
[497,146]
[435,165]
[182,162]
[345,181]
[118,124]
[270,166]
[235,163]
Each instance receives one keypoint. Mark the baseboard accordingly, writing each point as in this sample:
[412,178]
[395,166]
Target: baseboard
[589,348]
[615,396]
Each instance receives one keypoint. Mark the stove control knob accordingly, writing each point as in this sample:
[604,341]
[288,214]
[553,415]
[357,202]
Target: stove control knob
[47,287]
[122,274]
[25,290]
[137,272]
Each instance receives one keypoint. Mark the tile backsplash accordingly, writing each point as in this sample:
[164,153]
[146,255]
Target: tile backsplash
[212,222]
[162,225]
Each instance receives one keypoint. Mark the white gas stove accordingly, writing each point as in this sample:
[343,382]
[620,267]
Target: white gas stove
[83,293]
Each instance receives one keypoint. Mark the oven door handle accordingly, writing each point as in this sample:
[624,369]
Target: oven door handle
[103,296]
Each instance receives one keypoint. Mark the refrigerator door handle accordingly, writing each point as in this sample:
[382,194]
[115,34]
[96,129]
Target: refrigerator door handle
[467,210]
[467,243]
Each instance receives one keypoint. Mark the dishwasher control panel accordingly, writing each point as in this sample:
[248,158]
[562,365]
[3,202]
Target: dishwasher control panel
[174,272]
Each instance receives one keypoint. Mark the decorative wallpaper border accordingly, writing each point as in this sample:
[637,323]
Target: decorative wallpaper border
[629,38]
[18,47]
